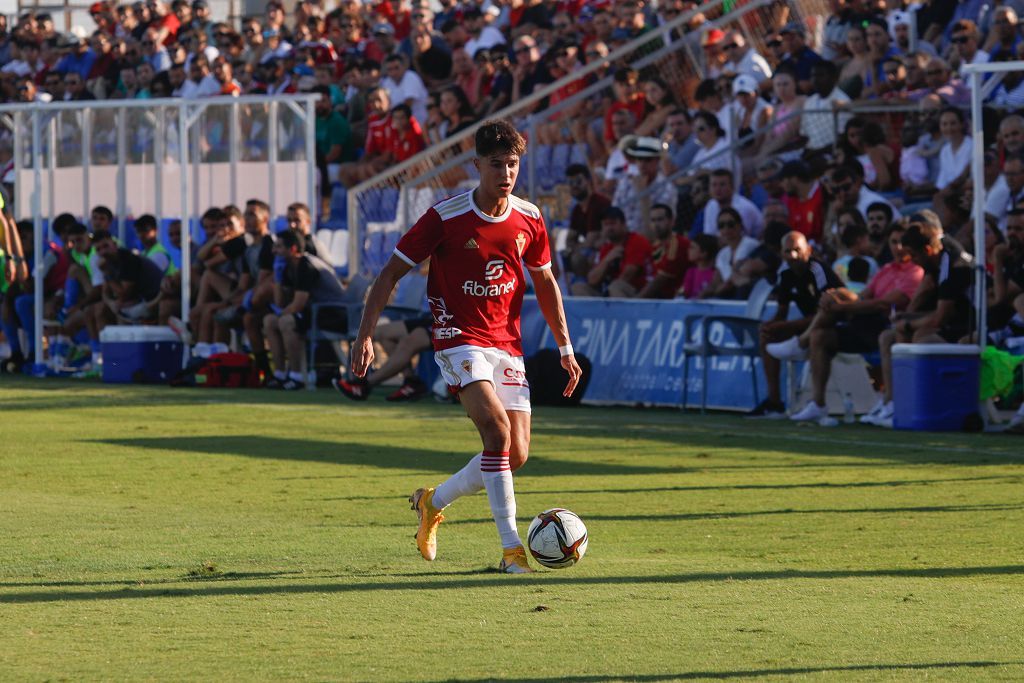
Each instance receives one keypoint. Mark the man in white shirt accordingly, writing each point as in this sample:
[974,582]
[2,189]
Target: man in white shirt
[405,86]
[742,59]
[848,186]
[817,125]
[965,43]
[644,186]
[1007,191]
[722,189]
[481,35]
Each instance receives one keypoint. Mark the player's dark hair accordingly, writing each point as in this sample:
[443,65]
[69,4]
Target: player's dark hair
[915,238]
[499,137]
[858,269]
[232,211]
[62,222]
[884,208]
[729,211]
[77,229]
[259,205]
[213,214]
[292,238]
[614,213]
[103,211]
[722,173]
[146,221]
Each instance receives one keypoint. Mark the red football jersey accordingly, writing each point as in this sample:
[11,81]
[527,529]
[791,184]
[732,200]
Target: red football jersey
[475,286]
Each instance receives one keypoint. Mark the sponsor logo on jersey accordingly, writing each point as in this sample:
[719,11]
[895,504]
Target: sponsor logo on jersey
[494,270]
[442,317]
[514,378]
[471,244]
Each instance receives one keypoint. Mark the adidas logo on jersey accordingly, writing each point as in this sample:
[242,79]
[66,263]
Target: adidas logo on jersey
[471,244]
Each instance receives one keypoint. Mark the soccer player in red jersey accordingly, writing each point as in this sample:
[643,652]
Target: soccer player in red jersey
[477,243]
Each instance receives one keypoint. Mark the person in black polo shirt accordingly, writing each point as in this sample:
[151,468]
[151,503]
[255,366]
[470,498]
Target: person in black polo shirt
[801,281]
[945,295]
[309,280]
[130,289]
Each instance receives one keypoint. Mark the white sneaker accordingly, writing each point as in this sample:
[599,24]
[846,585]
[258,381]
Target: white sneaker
[787,350]
[179,328]
[885,416]
[811,412]
[1018,418]
[872,415]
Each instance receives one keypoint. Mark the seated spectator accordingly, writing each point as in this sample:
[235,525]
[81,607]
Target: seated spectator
[377,152]
[802,281]
[405,86]
[955,155]
[682,143]
[856,241]
[713,152]
[659,102]
[944,313]
[456,111]
[804,198]
[723,194]
[304,280]
[761,263]
[744,60]
[702,253]
[865,142]
[965,45]
[646,185]
[734,247]
[130,289]
[333,143]
[800,57]
[1006,310]
[850,323]
[402,340]
[670,255]
[590,206]
[751,113]
[617,166]
[627,97]
[817,128]
[858,272]
[148,234]
[622,262]
[300,218]
[849,191]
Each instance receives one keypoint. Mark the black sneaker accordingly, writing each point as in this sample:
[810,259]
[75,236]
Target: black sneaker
[413,390]
[274,383]
[769,410]
[292,384]
[357,389]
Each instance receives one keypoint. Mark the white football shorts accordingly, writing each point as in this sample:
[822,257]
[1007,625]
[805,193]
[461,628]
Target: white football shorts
[463,365]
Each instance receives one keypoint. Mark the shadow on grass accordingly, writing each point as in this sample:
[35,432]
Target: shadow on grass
[225,576]
[735,487]
[369,455]
[439,581]
[756,673]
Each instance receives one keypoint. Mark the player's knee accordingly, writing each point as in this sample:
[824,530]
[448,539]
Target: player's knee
[496,434]
[518,454]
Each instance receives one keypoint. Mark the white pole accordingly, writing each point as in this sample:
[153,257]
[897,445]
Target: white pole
[272,155]
[87,116]
[233,151]
[37,232]
[122,174]
[978,178]
[186,219]
[160,131]
[312,199]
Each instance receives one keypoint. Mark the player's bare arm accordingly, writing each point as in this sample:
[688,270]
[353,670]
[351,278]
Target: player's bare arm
[376,300]
[549,298]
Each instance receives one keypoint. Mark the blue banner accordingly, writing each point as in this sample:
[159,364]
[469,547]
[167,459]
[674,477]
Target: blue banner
[636,349]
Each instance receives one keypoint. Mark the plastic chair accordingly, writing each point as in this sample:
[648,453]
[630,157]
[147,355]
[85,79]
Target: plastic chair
[352,306]
[745,329]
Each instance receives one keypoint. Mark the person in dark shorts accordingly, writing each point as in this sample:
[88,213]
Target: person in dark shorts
[402,340]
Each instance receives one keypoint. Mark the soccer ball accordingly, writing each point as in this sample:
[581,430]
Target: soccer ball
[557,538]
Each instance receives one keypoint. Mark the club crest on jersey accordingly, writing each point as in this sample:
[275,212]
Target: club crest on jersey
[520,243]
[467,367]
[471,244]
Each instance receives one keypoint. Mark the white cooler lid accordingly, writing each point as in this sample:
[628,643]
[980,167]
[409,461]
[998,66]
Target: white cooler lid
[137,333]
[935,350]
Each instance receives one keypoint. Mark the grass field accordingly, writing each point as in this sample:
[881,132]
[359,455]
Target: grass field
[180,534]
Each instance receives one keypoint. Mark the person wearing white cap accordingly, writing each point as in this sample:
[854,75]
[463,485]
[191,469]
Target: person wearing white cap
[750,112]
[743,59]
[644,185]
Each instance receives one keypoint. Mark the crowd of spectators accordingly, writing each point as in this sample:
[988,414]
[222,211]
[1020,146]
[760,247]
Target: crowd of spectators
[834,162]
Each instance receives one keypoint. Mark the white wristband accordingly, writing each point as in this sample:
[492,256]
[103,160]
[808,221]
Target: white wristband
[565,350]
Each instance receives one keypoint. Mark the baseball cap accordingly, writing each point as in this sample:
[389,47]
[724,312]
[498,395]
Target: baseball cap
[744,83]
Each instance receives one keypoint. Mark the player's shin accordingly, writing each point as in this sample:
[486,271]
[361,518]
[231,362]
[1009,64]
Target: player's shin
[497,478]
[465,482]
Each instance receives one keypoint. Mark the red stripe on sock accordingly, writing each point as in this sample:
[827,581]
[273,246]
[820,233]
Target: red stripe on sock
[494,454]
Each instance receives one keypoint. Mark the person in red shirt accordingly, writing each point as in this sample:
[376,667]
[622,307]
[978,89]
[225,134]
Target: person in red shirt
[406,139]
[377,148]
[804,199]
[622,263]
[478,243]
[670,254]
[627,96]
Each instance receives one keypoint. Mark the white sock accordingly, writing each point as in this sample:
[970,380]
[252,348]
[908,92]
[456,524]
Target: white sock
[201,350]
[280,375]
[1017,319]
[296,375]
[465,482]
[497,477]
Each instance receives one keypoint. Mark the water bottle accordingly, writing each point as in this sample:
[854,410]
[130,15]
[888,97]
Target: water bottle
[848,416]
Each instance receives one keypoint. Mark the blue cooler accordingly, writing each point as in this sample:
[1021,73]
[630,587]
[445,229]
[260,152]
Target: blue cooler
[140,353]
[935,386]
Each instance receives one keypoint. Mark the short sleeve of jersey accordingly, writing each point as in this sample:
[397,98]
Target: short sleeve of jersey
[306,276]
[265,261]
[419,243]
[234,248]
[538,253]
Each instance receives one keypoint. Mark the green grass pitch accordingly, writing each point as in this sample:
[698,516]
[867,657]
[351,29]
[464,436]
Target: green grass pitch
[187,534]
